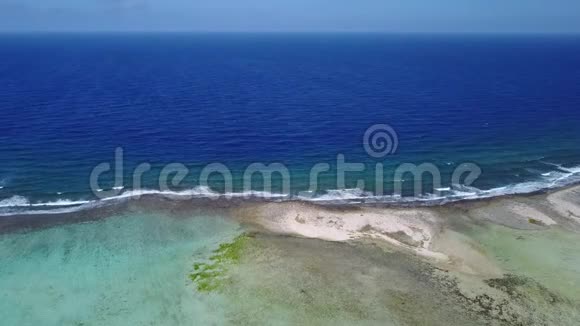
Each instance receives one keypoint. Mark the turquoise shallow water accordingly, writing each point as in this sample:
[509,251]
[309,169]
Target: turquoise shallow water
[134,268]
[551,257]
[124,270]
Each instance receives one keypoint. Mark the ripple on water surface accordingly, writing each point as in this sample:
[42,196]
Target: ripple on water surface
[123,270]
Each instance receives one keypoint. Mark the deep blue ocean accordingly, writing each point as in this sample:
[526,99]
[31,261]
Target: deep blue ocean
[510,104]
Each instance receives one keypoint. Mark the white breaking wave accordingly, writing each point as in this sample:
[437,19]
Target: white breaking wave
[20,201]
[195,192]
[258,194]
[550,180]
[340,194]
[14,201]
[556,179]
[62,202]
[67,206]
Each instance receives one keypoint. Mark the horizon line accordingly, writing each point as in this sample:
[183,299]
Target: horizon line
[113,31]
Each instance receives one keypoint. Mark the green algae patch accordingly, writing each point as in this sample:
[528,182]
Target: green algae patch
[211,275]
[519,287]
[536,222]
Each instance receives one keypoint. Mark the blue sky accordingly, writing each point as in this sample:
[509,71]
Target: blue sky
[483,16]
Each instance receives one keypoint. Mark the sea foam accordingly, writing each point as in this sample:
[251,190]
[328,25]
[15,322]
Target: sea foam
[561,177]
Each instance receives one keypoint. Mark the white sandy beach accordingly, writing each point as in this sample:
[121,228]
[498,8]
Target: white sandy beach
[422,230]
